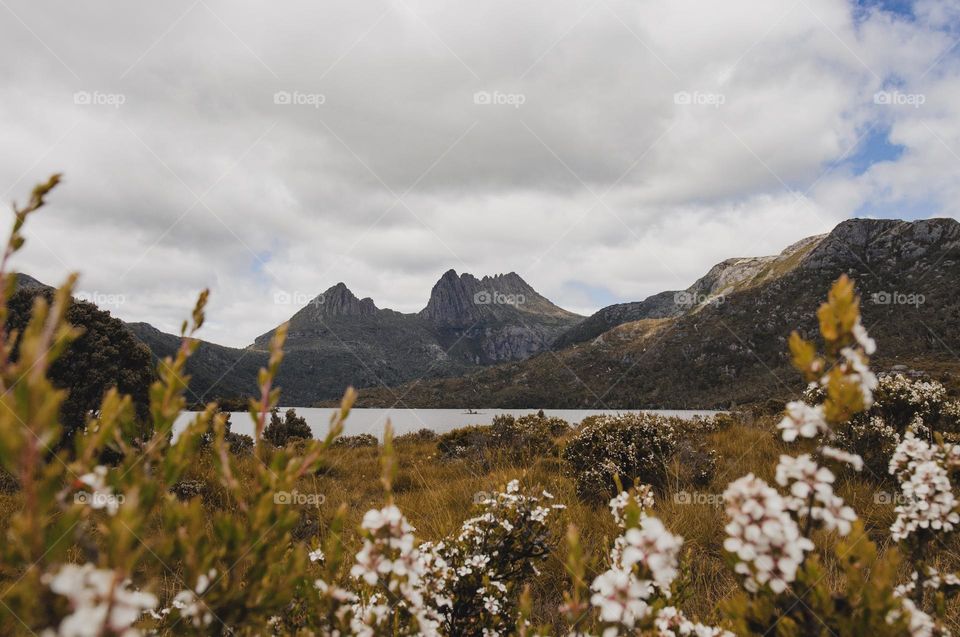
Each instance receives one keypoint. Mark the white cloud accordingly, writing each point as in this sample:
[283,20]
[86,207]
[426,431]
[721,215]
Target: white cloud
[599,180]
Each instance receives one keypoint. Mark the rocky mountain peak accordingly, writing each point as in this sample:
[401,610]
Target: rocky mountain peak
[856,243]
[452,300]
[340,301]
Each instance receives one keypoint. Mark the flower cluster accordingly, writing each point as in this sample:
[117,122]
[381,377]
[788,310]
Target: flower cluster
[929,502]
[480,568]
[641,496]
[804,420]
[100,601]
[811,492]
[466,584]
[643,566]
[390,560]
[763,535]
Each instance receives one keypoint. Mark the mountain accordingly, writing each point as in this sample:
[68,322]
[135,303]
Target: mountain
[722,279]
[729,345]
[493,319]
[339,340]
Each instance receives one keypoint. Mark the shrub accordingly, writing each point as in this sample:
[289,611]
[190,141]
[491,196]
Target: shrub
[899,404]
[239,444]
[464,442]
[357,442]
[282,431]
[420,436]
[698,464]
[508,438]
[633,446]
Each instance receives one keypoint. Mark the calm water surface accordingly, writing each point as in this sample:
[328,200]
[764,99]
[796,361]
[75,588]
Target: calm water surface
[372,421]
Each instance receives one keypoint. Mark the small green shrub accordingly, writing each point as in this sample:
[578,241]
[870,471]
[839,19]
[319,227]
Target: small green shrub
[282,431]
[420,436]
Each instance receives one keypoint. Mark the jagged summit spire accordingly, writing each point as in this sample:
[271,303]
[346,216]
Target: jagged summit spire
[338,300]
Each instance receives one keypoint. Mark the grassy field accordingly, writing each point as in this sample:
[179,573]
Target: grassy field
[437,495]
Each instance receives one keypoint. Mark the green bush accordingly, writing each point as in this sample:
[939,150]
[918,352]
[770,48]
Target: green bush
[282,431]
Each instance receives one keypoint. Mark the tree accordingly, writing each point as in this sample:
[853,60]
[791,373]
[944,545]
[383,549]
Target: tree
[106,355]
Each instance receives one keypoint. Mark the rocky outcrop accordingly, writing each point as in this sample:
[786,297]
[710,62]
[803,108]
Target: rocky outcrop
[858,243]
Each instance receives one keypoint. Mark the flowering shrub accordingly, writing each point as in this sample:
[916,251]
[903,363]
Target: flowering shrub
[507,438]
[632,596]
[899,404]
[769,534]
[629,446]
[357,441]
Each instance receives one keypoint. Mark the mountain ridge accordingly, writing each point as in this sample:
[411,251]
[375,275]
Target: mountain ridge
[720,353]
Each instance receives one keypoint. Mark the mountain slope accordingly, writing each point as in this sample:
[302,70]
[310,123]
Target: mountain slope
[735,351]
[722,279]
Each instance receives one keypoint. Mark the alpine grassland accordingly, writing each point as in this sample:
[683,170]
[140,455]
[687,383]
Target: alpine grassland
[836,517]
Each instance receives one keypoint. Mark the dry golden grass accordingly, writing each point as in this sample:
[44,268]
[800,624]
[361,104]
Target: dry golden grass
[437,496]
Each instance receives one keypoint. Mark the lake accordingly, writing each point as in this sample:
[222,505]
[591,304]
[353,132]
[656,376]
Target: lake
[372,421]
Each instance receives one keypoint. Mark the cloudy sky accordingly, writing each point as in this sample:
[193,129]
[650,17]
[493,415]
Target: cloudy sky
[603,149]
